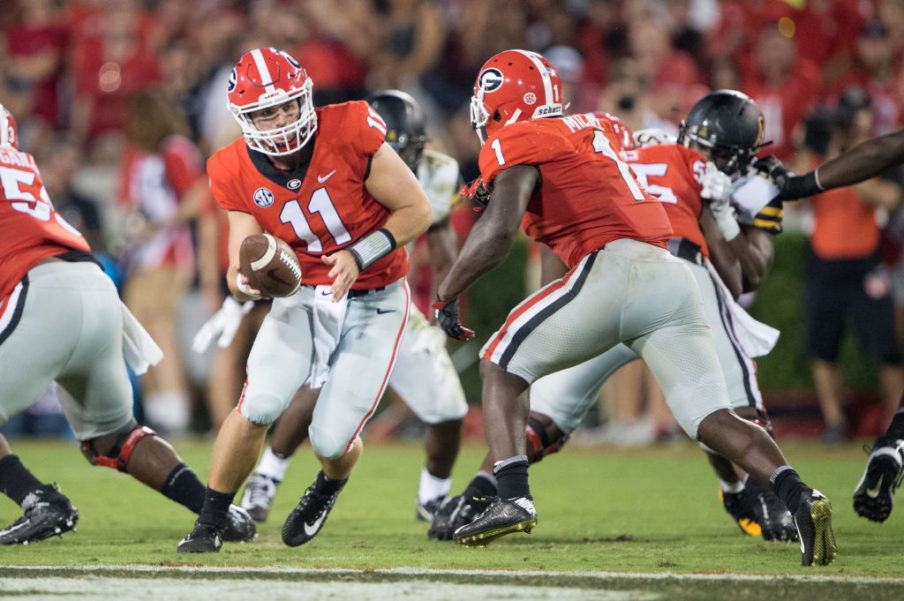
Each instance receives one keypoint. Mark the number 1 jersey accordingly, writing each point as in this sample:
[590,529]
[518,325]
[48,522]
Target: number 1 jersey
[587,196]
[30,228]
[319,208]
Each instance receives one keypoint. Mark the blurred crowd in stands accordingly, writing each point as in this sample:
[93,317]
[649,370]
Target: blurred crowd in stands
[121,101]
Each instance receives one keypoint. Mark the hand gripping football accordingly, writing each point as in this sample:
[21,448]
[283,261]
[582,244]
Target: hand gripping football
[270,265]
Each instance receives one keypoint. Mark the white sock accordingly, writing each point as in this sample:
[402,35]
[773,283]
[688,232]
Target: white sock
[733,488]
[272,465]
[432,487]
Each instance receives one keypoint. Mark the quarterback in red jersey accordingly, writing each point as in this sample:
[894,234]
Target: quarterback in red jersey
[623,286]
[61,319]
[323,180]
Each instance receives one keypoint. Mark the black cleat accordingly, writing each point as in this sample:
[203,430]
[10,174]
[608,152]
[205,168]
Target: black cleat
[240,527]
[426,511]
[875,493]
[47,512]
[502,517]
[771,515]
[258,497]
[814,527]
[740,512]
[309,516]
[204,538]
[454,513]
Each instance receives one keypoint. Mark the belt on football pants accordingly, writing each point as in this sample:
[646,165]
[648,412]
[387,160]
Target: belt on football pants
[356,293]
[685,249]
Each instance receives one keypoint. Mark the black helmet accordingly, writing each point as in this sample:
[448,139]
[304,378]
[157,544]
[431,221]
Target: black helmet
[729,123]
[405,124]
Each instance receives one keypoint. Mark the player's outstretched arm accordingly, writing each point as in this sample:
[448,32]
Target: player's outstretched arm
[241,225]
[492,236]
[867,159]
[442,246]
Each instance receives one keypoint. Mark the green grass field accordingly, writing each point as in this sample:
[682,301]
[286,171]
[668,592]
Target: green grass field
[652,511]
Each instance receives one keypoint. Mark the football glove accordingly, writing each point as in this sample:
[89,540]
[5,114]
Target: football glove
[224,323]
[717,190]
[790,186]
[448,316]
[476,192]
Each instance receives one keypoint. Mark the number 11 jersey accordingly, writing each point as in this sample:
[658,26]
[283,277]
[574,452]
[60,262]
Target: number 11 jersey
[321,207]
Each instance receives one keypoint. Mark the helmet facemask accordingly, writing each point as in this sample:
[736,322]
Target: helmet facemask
[284,140]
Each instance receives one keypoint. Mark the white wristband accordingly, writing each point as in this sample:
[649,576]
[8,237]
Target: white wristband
[372,248]
[244,289]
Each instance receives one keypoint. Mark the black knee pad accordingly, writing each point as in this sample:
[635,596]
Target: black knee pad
[119,454]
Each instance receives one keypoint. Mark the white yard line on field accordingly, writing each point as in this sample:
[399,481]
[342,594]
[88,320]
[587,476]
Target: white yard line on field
[420,573]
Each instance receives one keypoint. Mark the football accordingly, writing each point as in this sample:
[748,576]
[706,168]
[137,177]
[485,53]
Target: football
[270,265]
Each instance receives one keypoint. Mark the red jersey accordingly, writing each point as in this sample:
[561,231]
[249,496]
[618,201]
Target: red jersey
[321,207]
[672,173]
[32,229]
[587,197]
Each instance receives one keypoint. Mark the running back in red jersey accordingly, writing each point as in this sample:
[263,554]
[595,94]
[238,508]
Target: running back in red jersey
[588,195]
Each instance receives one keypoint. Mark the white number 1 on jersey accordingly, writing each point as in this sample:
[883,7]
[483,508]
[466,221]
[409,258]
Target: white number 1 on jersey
[320,203]
[601,145]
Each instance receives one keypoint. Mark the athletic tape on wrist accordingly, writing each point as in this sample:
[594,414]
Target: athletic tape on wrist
[372,248]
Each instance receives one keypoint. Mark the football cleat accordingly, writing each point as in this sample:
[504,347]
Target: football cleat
[240,527]
[426,511]
[258,497]
[771,516]
[503,516]
[813,520]
[47,512]
[309,516]
[875,493]
[204,538]
[736,507]
[454,513]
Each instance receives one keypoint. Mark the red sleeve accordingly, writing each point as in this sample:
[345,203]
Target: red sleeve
[513,145]
[221,188]
[182,161]
[363,131]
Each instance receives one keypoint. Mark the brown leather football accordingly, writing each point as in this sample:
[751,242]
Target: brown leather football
[270,265]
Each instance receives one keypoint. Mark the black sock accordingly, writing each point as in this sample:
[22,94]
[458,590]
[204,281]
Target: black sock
[15,479]
[183,487]
[480,486]
[511,478]
[896,429]
[216,504]
[788,486]
[326,486]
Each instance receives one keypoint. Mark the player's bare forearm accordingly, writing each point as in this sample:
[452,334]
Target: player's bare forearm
[486,248]
[755,252]
[394,186]
[867,159]
[442,246]
[721,253]
[491,238]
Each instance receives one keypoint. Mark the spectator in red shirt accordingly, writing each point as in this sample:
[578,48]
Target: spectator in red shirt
[784,86]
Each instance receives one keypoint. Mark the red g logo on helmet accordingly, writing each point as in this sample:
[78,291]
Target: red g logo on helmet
[9,132]
[513,86]
[265,78]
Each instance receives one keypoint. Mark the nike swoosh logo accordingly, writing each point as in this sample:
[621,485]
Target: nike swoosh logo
[311,529]
[382,311]
[872,493]
[325,293]
[323,178]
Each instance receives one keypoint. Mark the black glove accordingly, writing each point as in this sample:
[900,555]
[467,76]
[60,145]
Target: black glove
[448,315]
[790,186]
[476,192]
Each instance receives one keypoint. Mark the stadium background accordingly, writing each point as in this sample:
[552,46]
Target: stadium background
[76,72]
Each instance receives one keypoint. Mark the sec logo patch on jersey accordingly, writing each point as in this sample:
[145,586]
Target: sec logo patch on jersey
[263,198]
